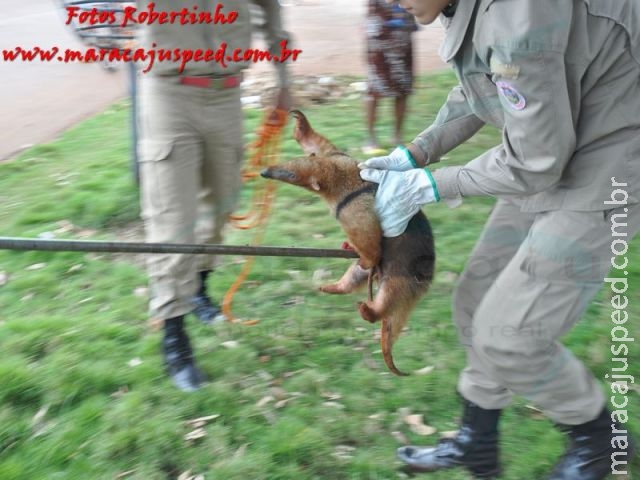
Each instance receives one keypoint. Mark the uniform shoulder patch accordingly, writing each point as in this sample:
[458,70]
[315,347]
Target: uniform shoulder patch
[513,97]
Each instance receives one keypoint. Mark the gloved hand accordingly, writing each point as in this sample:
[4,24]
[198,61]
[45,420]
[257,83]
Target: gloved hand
[400,160]
[400,195]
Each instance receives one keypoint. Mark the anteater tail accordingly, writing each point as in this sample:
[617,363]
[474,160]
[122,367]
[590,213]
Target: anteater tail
[389,332]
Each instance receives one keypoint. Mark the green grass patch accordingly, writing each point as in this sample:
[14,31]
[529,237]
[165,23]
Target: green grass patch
[304,394]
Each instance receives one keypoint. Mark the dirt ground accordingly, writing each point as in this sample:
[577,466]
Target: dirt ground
[331,36]
[40,100]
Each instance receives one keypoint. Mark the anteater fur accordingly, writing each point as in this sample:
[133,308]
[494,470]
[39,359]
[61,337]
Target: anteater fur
[403,265]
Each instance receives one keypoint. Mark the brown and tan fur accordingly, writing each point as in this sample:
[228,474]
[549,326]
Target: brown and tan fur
[403,265]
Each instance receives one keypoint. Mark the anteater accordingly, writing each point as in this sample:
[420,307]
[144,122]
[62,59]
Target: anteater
[403,265]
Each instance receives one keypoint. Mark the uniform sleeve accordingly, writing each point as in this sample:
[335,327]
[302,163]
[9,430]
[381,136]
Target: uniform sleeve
[275,34]
[454,124]
[524,42]
[538,138]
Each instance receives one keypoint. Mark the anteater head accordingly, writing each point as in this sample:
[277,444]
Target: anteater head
[325,170]
[316,174]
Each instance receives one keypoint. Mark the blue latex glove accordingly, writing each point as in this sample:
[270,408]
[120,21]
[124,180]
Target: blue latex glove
[400,195]
[400,160]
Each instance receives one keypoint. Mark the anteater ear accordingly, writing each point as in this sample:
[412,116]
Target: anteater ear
[313,182]
[309,140]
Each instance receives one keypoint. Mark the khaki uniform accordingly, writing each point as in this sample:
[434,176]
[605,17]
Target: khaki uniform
[191,143]
[561,79]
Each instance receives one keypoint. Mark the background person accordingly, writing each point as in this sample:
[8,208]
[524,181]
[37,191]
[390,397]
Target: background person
[561,80]
[389,66]
[191,148]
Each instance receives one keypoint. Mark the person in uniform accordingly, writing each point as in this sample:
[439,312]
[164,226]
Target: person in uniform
[191,149]
[561,79]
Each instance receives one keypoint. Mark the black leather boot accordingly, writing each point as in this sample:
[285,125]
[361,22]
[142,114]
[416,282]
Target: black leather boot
[178,356]
[203,307]
[590,450]
[475,447]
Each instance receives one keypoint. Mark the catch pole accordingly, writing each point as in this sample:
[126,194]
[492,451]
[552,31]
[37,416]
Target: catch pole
[30,244]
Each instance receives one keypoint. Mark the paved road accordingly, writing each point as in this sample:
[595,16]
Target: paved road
[40,100]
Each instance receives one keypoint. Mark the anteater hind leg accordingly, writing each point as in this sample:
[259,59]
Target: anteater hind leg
[395,298]
[354,277]
[372,311]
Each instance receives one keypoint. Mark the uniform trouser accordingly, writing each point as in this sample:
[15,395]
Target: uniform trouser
[527,282]
[190,161]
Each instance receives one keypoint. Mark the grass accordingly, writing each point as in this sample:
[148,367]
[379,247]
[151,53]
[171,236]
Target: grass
[304,394]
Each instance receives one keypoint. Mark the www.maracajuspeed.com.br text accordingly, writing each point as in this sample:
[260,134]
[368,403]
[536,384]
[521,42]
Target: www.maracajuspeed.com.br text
[222,55]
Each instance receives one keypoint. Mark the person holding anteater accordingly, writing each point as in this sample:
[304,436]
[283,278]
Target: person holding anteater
[561,79]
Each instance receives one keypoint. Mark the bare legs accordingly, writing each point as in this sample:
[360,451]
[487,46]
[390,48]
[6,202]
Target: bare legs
[371,109]
[400,112]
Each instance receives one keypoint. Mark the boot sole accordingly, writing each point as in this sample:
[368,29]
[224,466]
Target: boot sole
[490,475]
[497,473]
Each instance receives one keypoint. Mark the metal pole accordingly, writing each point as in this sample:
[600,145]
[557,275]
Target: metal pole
[27,244]
[133,89]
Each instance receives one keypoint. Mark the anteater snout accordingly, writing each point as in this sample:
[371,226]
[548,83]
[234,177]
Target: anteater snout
[278,174]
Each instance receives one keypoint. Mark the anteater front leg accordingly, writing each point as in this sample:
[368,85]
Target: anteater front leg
[364,234]
[354,277]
